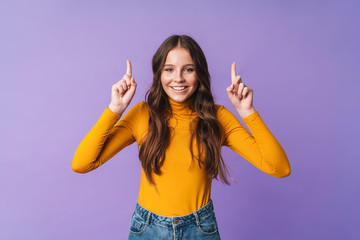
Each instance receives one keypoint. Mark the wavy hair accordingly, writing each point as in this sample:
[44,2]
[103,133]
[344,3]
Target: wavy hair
[205,128]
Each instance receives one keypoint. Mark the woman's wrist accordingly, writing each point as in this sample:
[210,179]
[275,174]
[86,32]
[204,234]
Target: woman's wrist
[245,112]
[116,109]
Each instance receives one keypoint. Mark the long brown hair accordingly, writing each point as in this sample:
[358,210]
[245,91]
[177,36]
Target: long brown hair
[206,129]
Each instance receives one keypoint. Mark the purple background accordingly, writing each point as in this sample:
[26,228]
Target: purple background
[59,59]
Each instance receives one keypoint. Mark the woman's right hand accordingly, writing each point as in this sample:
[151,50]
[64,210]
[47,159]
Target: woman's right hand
[122,92]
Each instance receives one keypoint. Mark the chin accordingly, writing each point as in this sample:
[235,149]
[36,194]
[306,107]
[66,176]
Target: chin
[179,99]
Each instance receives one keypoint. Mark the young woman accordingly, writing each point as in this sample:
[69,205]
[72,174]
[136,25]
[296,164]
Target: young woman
[180,132]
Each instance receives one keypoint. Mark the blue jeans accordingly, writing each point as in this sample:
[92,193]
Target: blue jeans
[200,224]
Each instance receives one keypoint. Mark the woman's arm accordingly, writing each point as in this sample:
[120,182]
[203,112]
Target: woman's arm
[261,149]
[104,140]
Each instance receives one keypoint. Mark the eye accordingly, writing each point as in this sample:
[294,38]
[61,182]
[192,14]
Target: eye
[189,69]
[169,70]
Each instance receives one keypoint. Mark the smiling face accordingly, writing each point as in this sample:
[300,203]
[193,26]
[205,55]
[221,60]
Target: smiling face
[178,77]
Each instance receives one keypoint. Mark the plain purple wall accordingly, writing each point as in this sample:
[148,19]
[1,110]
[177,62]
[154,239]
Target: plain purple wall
[59,59]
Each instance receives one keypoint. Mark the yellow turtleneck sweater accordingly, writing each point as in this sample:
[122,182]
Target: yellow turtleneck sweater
[179,190]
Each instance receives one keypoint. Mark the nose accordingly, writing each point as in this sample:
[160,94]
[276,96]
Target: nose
[179,77]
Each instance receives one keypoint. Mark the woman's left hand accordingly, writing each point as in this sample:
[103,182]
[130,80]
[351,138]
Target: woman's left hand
[240,95]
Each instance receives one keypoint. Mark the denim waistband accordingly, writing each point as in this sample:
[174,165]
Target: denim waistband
[177,220]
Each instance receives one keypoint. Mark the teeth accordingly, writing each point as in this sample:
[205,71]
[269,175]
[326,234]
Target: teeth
[178,88]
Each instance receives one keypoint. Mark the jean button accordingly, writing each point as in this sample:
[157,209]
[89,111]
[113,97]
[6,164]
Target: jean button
[176,221]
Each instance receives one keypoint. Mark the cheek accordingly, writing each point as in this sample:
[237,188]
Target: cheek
[164,79]
[195,82]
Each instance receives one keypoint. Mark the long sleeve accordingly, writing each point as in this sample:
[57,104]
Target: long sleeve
[260,148]
[105,140]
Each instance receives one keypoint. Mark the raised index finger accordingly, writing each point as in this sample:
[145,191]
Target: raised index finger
[233,71]
[128,70]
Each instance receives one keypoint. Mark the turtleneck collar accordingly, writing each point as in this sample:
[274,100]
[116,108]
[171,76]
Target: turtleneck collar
[181,108]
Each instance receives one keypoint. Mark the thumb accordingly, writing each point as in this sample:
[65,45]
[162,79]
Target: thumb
[132,86]
[132,82]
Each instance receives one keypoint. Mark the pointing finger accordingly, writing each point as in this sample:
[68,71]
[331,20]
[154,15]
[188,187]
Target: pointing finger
[128,70]
[233,71]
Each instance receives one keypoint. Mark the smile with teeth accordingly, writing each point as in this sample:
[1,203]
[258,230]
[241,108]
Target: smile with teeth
[178,88]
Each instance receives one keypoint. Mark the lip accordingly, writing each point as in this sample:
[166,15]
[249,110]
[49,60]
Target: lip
[179,90]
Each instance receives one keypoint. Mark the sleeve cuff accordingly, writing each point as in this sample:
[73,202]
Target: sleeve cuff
[111,114]
[251,117]
[107,120]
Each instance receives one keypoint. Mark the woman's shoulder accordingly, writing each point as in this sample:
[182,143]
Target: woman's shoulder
[140,109]
[224,115]
[140,105]
[220,109]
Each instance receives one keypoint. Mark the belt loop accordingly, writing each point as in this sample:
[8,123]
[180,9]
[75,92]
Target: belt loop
[197,219]
[148,218]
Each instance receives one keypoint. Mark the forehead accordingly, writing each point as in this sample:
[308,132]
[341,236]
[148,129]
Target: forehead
[178,55]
